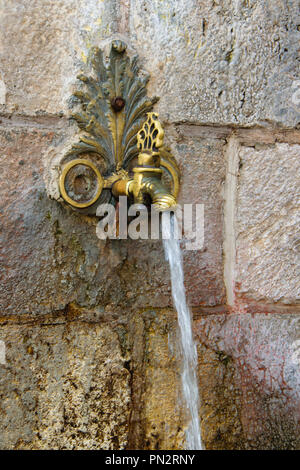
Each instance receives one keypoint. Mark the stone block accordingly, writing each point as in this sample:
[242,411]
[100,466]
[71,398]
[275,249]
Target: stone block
[249,380]
[202,166]
[63,386]
[43,44]
[220,61]
[52,257]
[267,226]
[210,62]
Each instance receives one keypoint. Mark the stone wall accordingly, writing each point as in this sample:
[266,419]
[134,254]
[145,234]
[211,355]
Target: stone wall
[88,337]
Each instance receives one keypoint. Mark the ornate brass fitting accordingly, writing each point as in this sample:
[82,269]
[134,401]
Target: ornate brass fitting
[120,150]
[146,181]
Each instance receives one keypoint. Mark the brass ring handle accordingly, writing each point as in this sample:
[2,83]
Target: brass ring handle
[92,189]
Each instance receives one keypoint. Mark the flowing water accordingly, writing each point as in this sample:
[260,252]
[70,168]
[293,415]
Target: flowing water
[188,346]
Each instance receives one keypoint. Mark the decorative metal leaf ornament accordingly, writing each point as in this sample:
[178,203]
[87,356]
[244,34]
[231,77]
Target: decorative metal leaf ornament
[114,107]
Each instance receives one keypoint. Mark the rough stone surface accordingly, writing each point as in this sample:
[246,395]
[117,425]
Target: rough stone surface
[42,45]
[161,414]
[60,376]
[268,220]
[220,61]
[210,61]
[88,345]
[249,380]
[64,386]
[51,255]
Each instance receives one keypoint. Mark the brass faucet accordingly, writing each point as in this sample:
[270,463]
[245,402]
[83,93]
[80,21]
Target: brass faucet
[112,105]
[146,182]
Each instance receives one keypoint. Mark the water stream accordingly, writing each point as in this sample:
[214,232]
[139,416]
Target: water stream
[188,346]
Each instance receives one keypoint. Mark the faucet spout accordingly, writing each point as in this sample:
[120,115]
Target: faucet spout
[151,186]
[145,187]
